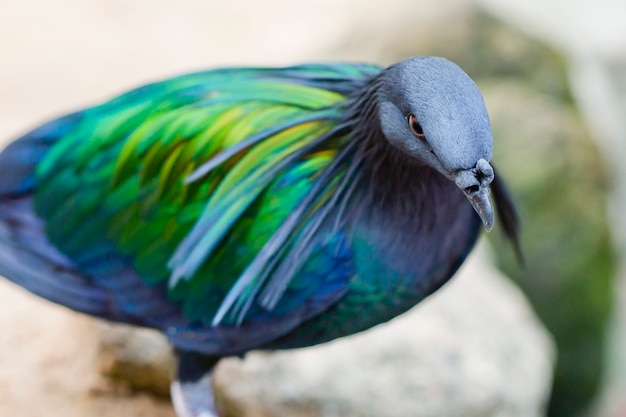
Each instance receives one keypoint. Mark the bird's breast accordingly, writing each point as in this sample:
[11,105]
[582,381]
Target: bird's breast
[398,259]
[416,247]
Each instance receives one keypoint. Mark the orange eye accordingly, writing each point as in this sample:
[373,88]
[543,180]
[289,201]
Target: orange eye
[416,127]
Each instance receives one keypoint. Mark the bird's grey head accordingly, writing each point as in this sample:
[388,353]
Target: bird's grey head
[432,111]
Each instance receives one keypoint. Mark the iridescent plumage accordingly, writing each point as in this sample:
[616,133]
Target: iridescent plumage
[244,208]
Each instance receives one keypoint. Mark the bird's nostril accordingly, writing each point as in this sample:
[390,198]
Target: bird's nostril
[483,172]
[472,189]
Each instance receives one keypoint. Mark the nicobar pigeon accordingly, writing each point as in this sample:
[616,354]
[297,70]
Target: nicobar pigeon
[254,208]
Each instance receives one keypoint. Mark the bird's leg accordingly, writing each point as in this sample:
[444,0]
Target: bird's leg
[192,391]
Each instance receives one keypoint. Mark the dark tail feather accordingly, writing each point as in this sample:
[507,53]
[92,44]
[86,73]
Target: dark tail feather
[508,215]
[26,256]
[19,159]
[31,261]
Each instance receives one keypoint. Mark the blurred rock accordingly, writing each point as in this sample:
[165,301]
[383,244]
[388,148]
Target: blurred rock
[49,360]
[474,349]
[139,358]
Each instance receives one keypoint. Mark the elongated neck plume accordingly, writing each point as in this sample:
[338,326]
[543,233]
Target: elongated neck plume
[390,176]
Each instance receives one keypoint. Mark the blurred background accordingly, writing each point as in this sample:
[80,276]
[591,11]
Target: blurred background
[554,78]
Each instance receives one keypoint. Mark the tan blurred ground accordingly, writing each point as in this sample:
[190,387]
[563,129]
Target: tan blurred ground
[55,56]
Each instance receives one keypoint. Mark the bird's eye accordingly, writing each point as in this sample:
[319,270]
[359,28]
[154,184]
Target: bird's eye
[416,127]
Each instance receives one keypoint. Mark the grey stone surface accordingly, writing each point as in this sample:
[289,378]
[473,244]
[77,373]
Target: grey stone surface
[139,358]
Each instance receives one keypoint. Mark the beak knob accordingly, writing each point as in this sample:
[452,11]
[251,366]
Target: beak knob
[474,183]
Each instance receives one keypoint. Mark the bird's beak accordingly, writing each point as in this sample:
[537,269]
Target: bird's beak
[474,183]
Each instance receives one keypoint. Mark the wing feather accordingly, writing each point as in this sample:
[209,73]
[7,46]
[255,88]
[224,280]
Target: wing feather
[203,186]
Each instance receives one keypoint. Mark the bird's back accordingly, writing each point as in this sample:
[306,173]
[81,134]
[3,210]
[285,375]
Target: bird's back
[149,208]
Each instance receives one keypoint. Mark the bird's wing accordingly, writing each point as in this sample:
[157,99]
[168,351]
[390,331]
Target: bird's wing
[200,194]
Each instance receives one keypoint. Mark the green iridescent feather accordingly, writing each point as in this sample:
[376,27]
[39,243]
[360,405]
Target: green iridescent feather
[135,177]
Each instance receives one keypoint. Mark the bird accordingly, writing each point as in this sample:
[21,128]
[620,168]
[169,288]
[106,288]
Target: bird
[255,208]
